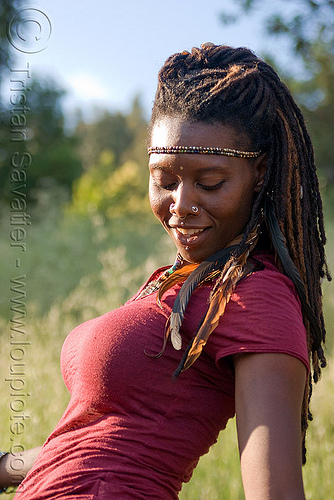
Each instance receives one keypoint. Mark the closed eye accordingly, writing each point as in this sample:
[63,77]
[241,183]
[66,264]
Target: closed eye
[211,188]
[168,187]
[173,185]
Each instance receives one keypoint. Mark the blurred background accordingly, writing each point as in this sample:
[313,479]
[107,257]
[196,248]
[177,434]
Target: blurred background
[77,237]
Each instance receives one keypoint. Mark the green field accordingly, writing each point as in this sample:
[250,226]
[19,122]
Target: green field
[75,271]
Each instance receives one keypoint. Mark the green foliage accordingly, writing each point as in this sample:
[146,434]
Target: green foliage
[46,118]
[308,26]
[315,96]
[111,191]
[304,22]
[104,287]
[108,132]
[115,185]
[34,125]
[62,249]
[308,22]
[8,10]
[123,134]
[320,115]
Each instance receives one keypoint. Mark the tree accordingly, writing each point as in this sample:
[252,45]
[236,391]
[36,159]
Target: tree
[110,190]
[115,183]
[34,128]
[303,22]
[113,149]
[113,131]
[308,26]
[8,10]
[108,132]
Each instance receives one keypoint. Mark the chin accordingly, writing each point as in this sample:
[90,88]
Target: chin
[193,256]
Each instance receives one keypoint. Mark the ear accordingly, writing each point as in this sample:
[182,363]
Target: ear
[260,168]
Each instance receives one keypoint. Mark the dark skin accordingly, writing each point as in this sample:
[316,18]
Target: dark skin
[269,386]
[268,398]
[8,466]
[222,187]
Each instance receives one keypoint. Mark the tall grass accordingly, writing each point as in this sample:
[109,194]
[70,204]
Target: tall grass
[89,269]
[218,477]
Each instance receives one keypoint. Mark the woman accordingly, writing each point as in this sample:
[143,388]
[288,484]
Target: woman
[237,318]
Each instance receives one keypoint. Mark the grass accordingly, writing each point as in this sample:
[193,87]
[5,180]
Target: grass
[217,477]
[89,269]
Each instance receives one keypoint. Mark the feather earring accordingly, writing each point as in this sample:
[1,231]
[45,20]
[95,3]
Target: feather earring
[177,277]
[234,270]
[176,274]
[289,267]
[200,274]
[155,285]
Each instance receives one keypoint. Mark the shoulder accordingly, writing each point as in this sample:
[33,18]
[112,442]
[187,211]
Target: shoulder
[266,286]
[268,299]
[263,315]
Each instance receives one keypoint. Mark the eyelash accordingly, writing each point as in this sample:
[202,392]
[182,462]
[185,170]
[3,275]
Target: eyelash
[212,188]
[170,187]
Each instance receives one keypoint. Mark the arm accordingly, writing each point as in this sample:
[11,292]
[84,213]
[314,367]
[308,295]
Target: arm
[8,476]
[269,393]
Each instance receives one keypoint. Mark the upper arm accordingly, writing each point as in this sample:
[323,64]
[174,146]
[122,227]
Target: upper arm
[268,398]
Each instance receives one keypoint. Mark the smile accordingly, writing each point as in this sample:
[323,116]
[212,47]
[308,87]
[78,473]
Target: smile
[189,232]
[190,237]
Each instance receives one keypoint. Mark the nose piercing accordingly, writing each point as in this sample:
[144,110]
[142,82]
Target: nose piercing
[194,210]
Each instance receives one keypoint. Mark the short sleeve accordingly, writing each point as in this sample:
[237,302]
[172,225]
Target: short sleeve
[264,315]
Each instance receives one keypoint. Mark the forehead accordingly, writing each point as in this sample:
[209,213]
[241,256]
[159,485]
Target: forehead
[175,131]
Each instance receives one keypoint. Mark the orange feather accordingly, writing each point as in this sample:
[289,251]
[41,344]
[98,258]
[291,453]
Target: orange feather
[177,277]
[220,298]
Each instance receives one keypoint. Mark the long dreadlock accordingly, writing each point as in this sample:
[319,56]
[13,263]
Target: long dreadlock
[236,88]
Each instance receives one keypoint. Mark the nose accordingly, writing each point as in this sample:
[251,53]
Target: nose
[184,202]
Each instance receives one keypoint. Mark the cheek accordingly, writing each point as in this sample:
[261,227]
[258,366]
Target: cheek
[154,204]
[236,204]
[159,204]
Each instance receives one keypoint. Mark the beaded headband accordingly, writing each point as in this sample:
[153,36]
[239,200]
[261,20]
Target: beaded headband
[202,150]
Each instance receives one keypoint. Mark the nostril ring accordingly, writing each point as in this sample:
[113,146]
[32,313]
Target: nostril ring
[194,209]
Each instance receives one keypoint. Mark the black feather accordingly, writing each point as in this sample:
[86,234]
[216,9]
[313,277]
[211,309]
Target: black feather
[213,262]
[289,267]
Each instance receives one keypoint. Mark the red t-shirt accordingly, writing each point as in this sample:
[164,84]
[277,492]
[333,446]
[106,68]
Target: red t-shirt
[130,431]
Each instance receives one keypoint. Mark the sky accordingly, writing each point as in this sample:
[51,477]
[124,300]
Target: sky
[106,52]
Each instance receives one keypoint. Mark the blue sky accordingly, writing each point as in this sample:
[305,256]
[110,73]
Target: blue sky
[106,52]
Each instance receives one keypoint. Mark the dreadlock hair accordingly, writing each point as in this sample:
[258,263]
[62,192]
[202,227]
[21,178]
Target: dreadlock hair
[232,86]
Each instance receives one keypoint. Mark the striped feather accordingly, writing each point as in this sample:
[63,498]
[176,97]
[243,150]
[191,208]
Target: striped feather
[234,270]
[202,271]
[217,306]
[177,277]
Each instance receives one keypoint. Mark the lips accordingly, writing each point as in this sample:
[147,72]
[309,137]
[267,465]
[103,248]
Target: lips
[189,237]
